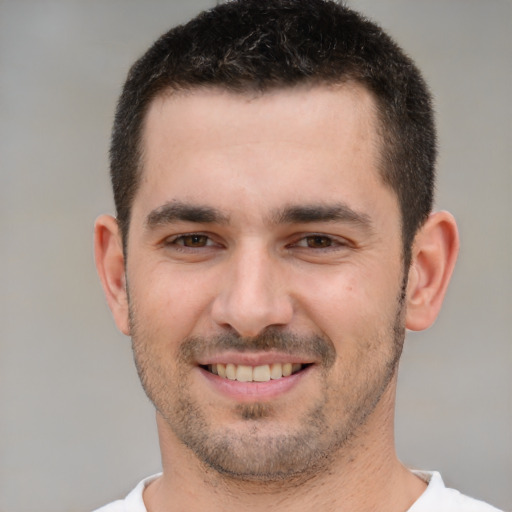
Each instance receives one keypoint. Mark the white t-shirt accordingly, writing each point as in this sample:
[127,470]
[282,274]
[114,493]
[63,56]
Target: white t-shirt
[436,498]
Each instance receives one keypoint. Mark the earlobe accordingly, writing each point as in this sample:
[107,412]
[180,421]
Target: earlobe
[434,254]
[108,252]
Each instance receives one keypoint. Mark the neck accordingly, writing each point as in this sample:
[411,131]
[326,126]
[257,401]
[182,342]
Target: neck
[365,476]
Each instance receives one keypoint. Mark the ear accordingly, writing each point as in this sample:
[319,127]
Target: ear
[108,252]
[434,253]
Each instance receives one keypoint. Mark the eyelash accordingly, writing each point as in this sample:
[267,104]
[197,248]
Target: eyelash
[176,241]
[331,243]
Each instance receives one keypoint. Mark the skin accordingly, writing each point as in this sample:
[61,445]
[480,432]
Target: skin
[262,232]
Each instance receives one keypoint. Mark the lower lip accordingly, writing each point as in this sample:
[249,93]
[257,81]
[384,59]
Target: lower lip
[254,391]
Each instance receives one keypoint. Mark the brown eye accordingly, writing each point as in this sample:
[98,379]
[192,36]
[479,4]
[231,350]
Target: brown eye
[318,242]
[193,240]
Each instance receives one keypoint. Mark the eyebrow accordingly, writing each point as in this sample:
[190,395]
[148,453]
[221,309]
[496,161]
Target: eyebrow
[176,211]
[338,212]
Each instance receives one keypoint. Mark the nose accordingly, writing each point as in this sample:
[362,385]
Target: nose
[253,294]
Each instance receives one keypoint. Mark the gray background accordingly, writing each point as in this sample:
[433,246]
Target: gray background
[76,430]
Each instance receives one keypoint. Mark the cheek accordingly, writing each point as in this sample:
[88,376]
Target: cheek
[353,304]
[167,301]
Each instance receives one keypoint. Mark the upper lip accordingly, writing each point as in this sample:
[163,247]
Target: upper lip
[254,358]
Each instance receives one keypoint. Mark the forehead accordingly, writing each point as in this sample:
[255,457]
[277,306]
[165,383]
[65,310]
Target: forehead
[300,112]
[282,145]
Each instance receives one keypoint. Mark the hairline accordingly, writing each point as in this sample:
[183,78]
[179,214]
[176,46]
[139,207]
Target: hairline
[381,127]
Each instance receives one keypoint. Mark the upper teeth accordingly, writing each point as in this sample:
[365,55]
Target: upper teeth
[263,373]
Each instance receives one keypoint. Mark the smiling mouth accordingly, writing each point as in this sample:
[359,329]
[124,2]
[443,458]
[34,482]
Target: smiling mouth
[262,373]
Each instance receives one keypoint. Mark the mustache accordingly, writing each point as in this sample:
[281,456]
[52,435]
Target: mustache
[271,340]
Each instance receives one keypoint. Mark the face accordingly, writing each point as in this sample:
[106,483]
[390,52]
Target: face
[265,276]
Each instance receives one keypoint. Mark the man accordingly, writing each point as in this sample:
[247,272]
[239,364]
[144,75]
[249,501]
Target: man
[273,170]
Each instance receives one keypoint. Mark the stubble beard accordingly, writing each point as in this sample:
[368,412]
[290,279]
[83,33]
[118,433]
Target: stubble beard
[263,453]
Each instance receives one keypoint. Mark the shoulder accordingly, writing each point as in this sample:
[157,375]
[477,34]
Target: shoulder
[443,499]
[133,502]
